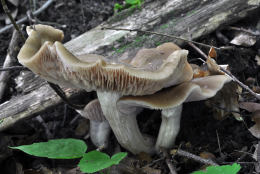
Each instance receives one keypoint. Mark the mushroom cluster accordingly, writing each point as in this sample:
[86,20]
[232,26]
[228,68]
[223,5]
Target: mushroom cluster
[156,78]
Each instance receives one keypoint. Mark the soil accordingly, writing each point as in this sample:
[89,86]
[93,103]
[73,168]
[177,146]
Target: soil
[227,139]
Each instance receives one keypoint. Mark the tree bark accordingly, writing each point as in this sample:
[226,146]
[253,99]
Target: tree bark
[189,19]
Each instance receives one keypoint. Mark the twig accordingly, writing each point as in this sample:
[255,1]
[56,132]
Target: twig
[62,95]
[257,33]
[153,162]
[35,13]
[13,68]
[65,114]
[198,50]
[222,37]
[168,161]
[218,143]
[242,85]
[12,19]
[194,157]
[228,73]
[160,34]
[46,128]
[244,154]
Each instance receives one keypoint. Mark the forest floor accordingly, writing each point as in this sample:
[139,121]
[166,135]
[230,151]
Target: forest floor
[224,139]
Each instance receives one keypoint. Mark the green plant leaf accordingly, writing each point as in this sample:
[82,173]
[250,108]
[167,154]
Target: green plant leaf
[132,2]
[225,169]
[95,161]
[56,149]
[117,7]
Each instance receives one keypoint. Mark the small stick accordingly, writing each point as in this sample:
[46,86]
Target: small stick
[168,161]
[222,37]
[46,128]
[194,157]
[65,114]
[198,50]
[218,143]
[245,30]
[160,34]
[13,68]
[62,95]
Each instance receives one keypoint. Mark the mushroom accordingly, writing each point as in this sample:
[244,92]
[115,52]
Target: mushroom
[99,127]
[45,55]
[170,101]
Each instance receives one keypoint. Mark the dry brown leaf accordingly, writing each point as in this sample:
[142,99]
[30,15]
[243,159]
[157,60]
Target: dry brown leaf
[249,106]
[255,130]
[213,67]
[244,39]
[226,100]
[212,53]
[207,155]
[199,71]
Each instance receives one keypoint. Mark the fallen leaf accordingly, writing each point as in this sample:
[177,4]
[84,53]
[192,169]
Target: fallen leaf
[249,106]
[212,53]
[213,67]
[199,71]
[255,130]
[225,101]
[207,155]
[244,39]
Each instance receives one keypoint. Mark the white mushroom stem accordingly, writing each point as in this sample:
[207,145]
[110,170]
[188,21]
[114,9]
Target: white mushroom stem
[169,128]
[99,133]
[124,125]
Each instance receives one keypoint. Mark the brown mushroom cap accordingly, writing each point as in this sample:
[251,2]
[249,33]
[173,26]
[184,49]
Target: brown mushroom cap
[46,56]
[195,90]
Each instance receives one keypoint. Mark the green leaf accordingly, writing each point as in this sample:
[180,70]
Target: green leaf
[132,2]
[56,149]
[118,7]
[95,161]
[225,169]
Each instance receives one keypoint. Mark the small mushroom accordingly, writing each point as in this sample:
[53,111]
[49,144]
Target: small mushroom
[170,101]
[99,127]
[44,54]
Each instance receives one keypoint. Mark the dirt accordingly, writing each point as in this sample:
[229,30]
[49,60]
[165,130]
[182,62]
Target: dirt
[200,131]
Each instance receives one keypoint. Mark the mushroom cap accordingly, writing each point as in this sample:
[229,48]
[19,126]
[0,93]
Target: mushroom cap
[44,54]
[195,90]
[93,111]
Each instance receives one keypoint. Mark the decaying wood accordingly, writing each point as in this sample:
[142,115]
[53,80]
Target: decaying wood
[9,61]
[188,19]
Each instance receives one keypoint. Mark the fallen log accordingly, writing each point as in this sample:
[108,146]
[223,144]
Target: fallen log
[188,19]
